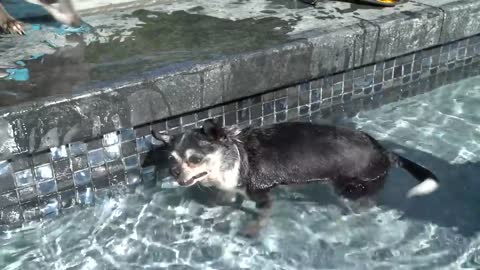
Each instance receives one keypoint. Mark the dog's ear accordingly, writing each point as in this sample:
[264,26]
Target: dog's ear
[163,137]
[213,131]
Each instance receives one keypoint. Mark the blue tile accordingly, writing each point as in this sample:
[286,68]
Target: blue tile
[82,178]
[50,208]
[47,187]
[77,149]
[8,199]
[43,172]
[7,181]
[127,134]
[96,157]
[24,178]
[143,145]
[110,138]
[27,194]
[131,162]
[59,152]
[133,177]
[112,152]
[86,197]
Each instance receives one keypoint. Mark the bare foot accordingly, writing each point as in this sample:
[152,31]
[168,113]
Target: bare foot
[13,26]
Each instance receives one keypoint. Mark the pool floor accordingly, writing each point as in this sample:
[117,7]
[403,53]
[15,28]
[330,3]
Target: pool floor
[310,228]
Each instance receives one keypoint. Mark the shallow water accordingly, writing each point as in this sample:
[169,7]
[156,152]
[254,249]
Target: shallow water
[310,228]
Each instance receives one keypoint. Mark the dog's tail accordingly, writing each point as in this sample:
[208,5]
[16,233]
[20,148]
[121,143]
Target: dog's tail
[428,181]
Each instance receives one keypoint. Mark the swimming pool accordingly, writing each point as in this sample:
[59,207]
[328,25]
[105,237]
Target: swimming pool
[171,228]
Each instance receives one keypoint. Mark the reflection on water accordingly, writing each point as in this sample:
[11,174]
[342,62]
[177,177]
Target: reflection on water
[310,228]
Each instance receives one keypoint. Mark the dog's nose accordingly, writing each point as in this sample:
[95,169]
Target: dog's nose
[175,171]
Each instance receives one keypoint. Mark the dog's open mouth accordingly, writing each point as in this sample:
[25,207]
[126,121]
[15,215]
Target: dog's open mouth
[195,179]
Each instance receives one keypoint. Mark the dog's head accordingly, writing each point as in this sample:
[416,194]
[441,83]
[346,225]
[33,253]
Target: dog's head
[201,155]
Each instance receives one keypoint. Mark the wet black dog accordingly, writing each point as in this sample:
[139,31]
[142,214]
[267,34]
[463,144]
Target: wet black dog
[252,161]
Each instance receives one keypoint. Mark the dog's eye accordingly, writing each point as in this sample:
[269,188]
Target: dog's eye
[194,159]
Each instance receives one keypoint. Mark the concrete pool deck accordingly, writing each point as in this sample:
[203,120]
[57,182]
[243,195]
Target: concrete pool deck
[133,65]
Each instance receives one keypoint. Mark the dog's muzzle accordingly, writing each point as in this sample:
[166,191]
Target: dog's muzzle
[192,180]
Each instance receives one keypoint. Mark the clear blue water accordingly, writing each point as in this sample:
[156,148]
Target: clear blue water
[310,229]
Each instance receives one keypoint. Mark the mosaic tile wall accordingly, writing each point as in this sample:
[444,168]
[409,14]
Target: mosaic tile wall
[46,183]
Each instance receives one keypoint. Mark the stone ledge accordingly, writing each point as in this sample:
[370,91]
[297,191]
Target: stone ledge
[182,88]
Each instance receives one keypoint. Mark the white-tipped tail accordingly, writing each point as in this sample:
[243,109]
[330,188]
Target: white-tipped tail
[426,187]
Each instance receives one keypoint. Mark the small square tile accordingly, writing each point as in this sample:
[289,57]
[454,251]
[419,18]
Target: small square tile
[379,66]
[244,103]
[24,178]
[94,145]
[268,108]
[216,111]
[143,145]
[131,162]
[202,115]
[339,77]
[77,149]
[112,152]
[100,177]
[315,95]
[67,198]
[230,107]
[269,119]
[377,88]
[316,84]
[41,158]
[337,89]
[79,162]
[133,177]
[111,138]
[8,199]
[256,122]
[407,69]
[59,152]
[145,130]
[172,123]
[27,194]
[188,119]
[47,187]
[85,196]
[43,172]
[96,157]
[304,110]
[292,114]
[129,148]
[50,206]
[22,163]
[128,134]
[268,97]
[7,180]
[280,104]
[397,72]
[62,167]
[388,74]
[281,93]
[82,178]
[280,117]
[65,182]
[243,115]
[256,111]
[148,174]
[231,118]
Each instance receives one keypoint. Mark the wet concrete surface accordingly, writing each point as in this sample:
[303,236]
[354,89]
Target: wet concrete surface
[129,42]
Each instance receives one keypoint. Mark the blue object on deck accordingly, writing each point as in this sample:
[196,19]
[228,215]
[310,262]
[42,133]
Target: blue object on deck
[18,74]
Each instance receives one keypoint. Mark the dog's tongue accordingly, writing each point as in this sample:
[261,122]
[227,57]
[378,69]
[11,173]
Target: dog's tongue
[190,182]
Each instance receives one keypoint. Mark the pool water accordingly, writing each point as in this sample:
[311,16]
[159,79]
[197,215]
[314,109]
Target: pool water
[175,228]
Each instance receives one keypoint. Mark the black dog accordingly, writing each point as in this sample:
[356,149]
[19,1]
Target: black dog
[255,160]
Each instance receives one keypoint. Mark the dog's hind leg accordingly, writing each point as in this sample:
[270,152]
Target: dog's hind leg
[358,194]
[263,203]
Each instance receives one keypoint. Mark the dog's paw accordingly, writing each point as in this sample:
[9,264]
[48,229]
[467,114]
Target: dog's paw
[13,26]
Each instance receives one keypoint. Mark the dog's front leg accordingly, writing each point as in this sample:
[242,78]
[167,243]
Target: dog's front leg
[264,204]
